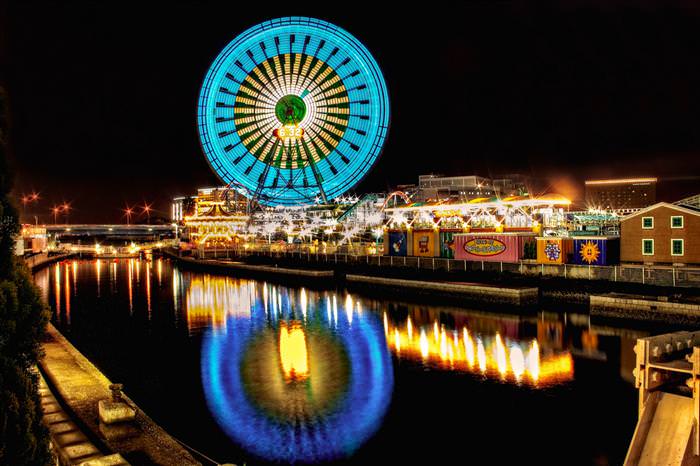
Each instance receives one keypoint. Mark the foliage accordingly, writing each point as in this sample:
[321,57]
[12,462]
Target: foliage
[23,318]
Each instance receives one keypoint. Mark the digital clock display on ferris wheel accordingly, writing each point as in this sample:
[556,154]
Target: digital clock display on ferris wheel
[293,111]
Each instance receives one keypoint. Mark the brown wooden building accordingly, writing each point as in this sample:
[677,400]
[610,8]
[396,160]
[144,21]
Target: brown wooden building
[662,234]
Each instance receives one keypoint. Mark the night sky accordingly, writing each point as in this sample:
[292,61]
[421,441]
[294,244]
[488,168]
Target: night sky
[103,94]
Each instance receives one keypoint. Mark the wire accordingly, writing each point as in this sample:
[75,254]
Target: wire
[195,451]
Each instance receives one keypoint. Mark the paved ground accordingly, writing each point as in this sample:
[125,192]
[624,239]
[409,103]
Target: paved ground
[69,442]
[80,385]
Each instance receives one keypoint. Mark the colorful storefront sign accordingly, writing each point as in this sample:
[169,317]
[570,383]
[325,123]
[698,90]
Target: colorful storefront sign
[484,246]
[447,244]
[554,250]
[397,243]
[596,251]
[424,243]
[493,247]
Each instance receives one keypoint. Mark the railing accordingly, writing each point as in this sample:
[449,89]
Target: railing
[631,273]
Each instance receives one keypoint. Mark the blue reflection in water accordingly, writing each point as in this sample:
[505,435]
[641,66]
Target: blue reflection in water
[298,437]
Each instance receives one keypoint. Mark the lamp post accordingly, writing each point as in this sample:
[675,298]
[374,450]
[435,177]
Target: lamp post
[128,212]
[28,199]
[65,208]
[147,210]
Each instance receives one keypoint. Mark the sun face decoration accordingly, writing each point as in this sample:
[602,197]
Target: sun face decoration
[589,252]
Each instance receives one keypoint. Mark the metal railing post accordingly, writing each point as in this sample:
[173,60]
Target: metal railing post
[673,273]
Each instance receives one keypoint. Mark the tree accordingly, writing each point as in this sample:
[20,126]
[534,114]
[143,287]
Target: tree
[23,318]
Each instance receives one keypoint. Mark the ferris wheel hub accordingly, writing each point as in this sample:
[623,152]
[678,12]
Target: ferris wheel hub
[290,109]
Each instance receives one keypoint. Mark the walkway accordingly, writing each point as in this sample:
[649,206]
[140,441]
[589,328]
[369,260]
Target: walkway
[80,385]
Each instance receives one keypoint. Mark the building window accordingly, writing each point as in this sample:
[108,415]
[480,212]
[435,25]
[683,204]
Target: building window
[647,223]
[648,247]
[677,247]
[677,221]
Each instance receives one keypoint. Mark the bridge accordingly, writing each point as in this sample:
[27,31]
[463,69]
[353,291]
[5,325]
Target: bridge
[115,231]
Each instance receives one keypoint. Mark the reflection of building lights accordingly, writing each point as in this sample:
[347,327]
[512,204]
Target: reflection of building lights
[293,352]
[517,361]
[491,355]
[481,354]
[424,346]
[304,302]
[211,299]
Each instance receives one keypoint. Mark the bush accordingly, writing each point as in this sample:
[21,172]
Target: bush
[23,317]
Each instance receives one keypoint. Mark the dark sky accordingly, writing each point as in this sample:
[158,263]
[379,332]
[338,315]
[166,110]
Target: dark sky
[103,94]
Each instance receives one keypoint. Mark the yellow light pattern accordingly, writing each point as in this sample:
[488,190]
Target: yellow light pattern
[211,299]
[293,352]
[492,355]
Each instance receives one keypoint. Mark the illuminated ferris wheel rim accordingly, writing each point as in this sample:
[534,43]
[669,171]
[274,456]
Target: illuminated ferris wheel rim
[333,148]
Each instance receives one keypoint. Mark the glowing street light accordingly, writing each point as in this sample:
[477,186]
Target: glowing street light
[65,208]
[147,210]
[28,199]
[128,212]
[55,210]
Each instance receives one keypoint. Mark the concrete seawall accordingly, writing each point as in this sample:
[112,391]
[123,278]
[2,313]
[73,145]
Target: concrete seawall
[318,277]
[80,385]
[636,307]
[471,292]
[42,260]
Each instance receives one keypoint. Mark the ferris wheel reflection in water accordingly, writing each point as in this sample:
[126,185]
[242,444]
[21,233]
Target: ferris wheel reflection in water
[295,375]
[294,380]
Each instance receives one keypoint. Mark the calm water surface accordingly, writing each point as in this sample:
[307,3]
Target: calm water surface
[248,371]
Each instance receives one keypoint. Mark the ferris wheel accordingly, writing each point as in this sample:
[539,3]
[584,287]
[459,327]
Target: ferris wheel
[293,111]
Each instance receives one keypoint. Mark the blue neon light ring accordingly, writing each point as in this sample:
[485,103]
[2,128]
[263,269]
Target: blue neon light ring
[334,437]
[293,111]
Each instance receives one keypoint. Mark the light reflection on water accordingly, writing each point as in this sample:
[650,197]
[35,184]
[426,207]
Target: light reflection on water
[297,375]
[419,336]
[285,377]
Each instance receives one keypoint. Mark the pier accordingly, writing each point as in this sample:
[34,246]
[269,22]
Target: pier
[667,375]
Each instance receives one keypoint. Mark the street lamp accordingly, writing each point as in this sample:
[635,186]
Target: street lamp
[147,210]
[128,212]
[65,208]
[28,199]
[55,210]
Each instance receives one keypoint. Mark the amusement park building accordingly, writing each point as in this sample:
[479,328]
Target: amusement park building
[661,234]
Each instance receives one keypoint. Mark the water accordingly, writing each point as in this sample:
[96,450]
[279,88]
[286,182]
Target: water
[248,371]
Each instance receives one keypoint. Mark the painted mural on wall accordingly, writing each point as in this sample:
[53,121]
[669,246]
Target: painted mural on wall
[398,243]
[424,243]
[596,251]
[447,244]
[553,250]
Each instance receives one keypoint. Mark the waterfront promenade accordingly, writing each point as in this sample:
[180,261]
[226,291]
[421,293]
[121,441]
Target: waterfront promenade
[80,386]
[71,388]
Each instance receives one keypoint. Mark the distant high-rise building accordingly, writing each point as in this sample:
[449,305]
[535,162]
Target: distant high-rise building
[468,187]
[625,194]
